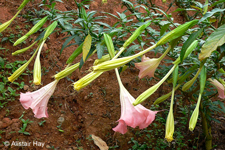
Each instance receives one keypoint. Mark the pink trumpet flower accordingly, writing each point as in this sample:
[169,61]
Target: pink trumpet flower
[147,66]
[132,116]
[38,100]
[219,86]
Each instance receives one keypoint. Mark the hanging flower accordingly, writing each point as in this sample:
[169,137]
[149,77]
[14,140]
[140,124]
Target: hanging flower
[38,100]
[147,66]
[219,86]
[132,116]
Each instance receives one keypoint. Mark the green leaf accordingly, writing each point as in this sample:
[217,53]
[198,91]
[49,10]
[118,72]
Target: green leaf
[177,32]
[205,9]
[209,14]
[217,38]
[66,42]
[188,42]
[179,9]
[86,46]
[100,50]
[2,86]
[109,44]
[26,133]
[174,42]
[77,52]
[221,105]
[164,28]
[2,63]
[175,75]
[203,79]
[214,4]
[40,36]
[131,50]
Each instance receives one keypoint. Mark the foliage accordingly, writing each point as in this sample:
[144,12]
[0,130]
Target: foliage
[196,46]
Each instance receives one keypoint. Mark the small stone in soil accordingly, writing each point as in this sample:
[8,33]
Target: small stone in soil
[60,120]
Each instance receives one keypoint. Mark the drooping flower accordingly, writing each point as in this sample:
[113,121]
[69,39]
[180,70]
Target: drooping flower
[152,89]
[38,100]
[194,116]
[132,116]
[20,70]
[6,24]
[219,86]
[147,66]
[86,80]
[37,66]
[169,126]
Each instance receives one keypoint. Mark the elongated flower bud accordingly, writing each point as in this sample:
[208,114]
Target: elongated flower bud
[67,71]
[50,29]
[115,63]
[34,29]
[179,31]
[23,50]
[86,80]
[136,33]
[164,97]
[194,116]
[101,60]
[6,24]
[20,40]
[20,70]
[170,118]
[188,84]
[169,126]
[152,89]
[23,4]
[37,67]
[37,26]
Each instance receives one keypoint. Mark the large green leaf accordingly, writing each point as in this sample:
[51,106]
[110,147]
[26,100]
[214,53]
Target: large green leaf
[86,46]
[100,50]
[217,38]
[188,42]
[209,14]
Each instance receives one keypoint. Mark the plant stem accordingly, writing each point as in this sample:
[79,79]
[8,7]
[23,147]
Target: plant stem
[206,129]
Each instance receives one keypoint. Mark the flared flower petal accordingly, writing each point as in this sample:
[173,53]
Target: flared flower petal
[147,66]
[219,86]
[132,116]
[38,100]
[121,127]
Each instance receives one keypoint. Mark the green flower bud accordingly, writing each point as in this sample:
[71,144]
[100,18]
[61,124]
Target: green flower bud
[50,29]
[23,4]
[179,31]
[109,44]
[194,116]
[6,24]
[67,71]
[83,82]
[20,40]
[20,70]
[23,50]
[136,33]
